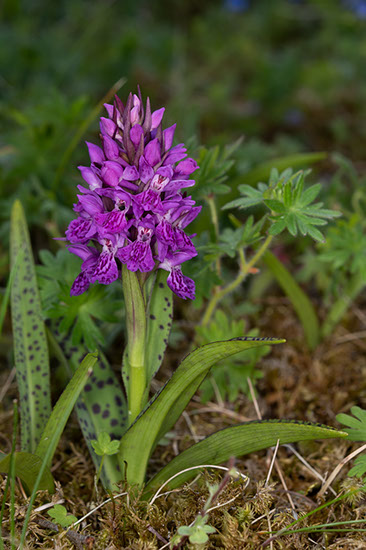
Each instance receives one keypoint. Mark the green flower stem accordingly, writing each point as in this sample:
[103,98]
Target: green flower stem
[136,337]
[339,308]
[245,267]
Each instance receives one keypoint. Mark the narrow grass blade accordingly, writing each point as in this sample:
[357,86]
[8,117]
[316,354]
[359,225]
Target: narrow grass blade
[30,344]
[168,404]
[10,481]
[159,322]
[82,129]
[101,406]
[298,160]
[237,441]
[12,477]
[62,410]
[299,300]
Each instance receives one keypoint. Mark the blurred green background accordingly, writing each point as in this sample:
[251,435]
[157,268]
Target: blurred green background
[289,76]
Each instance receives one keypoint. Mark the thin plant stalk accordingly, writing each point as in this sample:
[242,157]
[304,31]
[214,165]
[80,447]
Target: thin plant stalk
[245,268]
[12,475]
[10,481]
[99,470]
[97,477]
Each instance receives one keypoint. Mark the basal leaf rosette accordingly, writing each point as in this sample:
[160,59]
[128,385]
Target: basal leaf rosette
[135,207]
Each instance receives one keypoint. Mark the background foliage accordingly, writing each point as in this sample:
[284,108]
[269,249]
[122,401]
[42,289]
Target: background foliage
[286,77]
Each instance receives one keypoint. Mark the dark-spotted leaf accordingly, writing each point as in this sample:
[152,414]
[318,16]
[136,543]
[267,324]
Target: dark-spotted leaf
[159,322]
[101,406]
[30,343]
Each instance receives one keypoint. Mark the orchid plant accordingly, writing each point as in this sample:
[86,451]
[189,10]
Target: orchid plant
[131,222]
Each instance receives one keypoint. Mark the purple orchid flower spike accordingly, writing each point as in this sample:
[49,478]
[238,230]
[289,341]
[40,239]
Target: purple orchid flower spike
[133,210]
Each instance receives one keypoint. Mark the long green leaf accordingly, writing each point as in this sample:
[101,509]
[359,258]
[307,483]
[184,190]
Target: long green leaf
[30,343]
[62,410]
[27,467]
[237,441]
[101,406]
[167,405]
[299,300]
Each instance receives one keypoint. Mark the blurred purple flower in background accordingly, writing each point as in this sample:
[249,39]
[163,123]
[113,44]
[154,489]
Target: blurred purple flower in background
[134,210]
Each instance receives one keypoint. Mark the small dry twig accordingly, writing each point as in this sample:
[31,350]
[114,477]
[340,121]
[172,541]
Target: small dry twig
[338,468]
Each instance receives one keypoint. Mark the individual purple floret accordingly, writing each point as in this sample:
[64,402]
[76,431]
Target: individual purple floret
[134,209]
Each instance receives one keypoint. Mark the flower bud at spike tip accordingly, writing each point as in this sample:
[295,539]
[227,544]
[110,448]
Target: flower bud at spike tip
[133,209]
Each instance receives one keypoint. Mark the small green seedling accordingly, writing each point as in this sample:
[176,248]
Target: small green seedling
[198,532]
[60,516]
[104,445]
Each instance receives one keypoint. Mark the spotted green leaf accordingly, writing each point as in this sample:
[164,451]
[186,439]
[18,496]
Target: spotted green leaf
[101,406]
[30,343]
[159,322]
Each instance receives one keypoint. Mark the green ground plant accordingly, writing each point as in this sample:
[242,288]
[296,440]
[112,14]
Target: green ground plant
[148,305]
